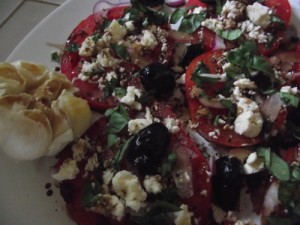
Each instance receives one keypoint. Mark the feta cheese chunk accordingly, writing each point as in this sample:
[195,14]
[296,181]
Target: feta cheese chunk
[135,125]
[129,98]
[249,124]
[148,40]
[259,14]
[172,125]
[87,47]
[117,31]
[67,171]
[289,90]
[127,186]
[245,83]
[253,164]
[153,184]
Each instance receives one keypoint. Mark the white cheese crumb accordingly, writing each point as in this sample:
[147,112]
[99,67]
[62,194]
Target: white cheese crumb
[117,31]
[129,98]
[249,124]
[111,75]
[67,171]
[130,26]
[148,40]
[172,125]
[253,164]
[153,184]
[87,47]
[92,163]
[183,217]
[245,83]
[79,149]
[289,89]
[127,186]
[259,14]
[105,58]
[135,125]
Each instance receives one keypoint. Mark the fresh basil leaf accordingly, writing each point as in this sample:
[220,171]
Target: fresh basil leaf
[290,99]
[168,166]
[55,57]
[121,152]
[177,15]
[120,92]
[219,6]
[90,195]
[277,166]
[286,192]
[276,19]
[230,34]
[191,22]
[111,140]
[121,51]
[134,14]
[230,106]
[261,64]
[73,47]
[110,86]
[118,119]
[196,76]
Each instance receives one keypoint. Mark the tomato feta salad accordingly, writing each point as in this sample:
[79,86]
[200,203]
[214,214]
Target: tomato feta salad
[198,115]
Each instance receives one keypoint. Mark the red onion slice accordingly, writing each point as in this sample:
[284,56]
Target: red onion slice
[101,7]
[175,3]
[270,107]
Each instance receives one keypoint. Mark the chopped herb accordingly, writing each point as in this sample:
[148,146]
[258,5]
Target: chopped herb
[286,192]
[118,119]
[55,57]
[90,195]
[278,167]
[120,92]
[216,120]
[276,19]
[121,51]
[121,152]
[105,24]
[230,34]
[110,86]
[230,106]
[112,139]
[157,213]
[191,22]
[290,99]
[177,15]
[296,173]
[73,47]
[199,79]
[169,164]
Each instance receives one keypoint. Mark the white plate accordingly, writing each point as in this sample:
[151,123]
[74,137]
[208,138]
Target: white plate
[23,199]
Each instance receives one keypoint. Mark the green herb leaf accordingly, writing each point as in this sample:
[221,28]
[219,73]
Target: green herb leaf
[110,87]
[296,173]
[120,92]
[276,19]
[230,34]
[121,152]
[278,167]
[168,166]
[118,119]
[73,47]
[111,140]
[290,99]
[286,192]
[198,78]
[55,57]
[191,22]
[261,64]
[121,51]
[177,15]
[90,195]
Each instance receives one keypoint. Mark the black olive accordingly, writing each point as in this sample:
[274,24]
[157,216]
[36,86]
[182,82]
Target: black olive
[227,182]
[152,3]
[148,147]
[191,52]
[158,80]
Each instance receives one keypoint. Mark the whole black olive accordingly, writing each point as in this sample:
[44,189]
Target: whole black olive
[191,52]
[227,182]
[146,149]
[158,80]
[152,3]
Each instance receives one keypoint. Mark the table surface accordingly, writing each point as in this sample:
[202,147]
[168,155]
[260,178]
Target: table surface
[18,18]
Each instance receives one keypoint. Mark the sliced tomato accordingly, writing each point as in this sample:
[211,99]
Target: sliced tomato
[195,3]
[292,154]
[116,12]
[189,156]
[227,137]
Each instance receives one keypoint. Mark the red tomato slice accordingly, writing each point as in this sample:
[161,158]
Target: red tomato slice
[292,154]
[199,202]
[116,12]
[227,137]
[195,3]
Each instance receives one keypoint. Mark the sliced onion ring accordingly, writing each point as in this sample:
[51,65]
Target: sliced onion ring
[175,3]
[101,7]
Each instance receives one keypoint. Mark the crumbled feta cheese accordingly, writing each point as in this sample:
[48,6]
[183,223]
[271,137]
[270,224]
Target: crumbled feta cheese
[289,89]
[245,83]
[148,40]
[110,75]
[183,217]
[79,149]
[129,98]
[248,123]
[253,32]
[110,205]
[107,178]
[67,171]
[127,186]
[246,104]
[212,24]
[153,184]
[105,58]
[253,164]
[172,125]
[130,26]
[117,31]
[259,14]
[233,9]
[135,125]
[198,10]
[92,163]
[87,47]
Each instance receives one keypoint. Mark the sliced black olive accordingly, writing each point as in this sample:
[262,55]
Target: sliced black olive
[191,52]
[152,3]
[148,147]
[227,182]
[158,80]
